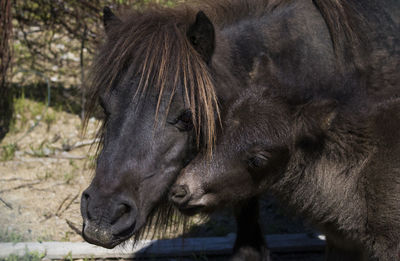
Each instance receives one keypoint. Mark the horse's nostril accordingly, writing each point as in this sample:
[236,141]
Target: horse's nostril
[121,210]
[124,219]
[180,194]
[85,205]
[85,195]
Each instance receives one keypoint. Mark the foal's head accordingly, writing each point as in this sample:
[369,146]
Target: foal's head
[252,144]
[263,134]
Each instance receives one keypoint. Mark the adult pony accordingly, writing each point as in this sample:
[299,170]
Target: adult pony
[162,74]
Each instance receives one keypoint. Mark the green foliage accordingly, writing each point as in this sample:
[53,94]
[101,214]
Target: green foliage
[73,165]
[43,150]
[8,152]
[68,177]
[7,235]
[49,118]
[47,175]
[52,36]
[29,256]
[37,110]
[66,236]
[19,107]
[92,161]
[68,257]
[26,110]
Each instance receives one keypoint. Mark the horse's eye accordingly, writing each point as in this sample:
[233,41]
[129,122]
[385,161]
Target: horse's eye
[258,160]
[184,121]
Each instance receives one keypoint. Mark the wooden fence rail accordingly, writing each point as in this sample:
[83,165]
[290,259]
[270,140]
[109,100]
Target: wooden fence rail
[160,248]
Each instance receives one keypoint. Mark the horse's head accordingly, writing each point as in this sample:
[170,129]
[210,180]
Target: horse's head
[158,109]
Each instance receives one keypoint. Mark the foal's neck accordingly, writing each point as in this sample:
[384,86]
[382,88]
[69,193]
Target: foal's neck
[328,187]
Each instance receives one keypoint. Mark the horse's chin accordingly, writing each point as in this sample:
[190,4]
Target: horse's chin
[108,244]
[103,237]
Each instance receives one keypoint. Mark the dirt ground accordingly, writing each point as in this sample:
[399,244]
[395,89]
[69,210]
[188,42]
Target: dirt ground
[43,176]
[40,186]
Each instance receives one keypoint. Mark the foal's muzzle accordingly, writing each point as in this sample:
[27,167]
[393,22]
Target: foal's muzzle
[181,197]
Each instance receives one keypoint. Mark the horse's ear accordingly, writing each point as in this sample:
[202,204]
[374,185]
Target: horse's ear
[109,19]
[201,35]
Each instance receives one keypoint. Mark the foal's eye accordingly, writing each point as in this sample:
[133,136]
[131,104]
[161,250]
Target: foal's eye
[184,121]
[258,160]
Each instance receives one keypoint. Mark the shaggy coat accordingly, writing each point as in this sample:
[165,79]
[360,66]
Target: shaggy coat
[335,162]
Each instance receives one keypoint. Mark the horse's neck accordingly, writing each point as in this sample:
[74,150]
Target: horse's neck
[284,35]
[234,56]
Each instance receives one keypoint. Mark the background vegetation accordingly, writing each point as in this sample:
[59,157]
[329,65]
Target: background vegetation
[51,39]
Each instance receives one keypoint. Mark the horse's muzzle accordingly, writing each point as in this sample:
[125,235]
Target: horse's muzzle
[107,224]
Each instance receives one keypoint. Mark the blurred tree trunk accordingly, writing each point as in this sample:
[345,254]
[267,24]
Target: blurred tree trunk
[5,62]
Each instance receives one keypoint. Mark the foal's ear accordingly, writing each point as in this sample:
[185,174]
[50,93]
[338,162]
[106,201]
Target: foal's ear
[109,19]
[322,112]
[313,121]
[201,35]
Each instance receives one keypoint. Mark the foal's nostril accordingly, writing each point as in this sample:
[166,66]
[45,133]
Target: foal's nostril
[180,194]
